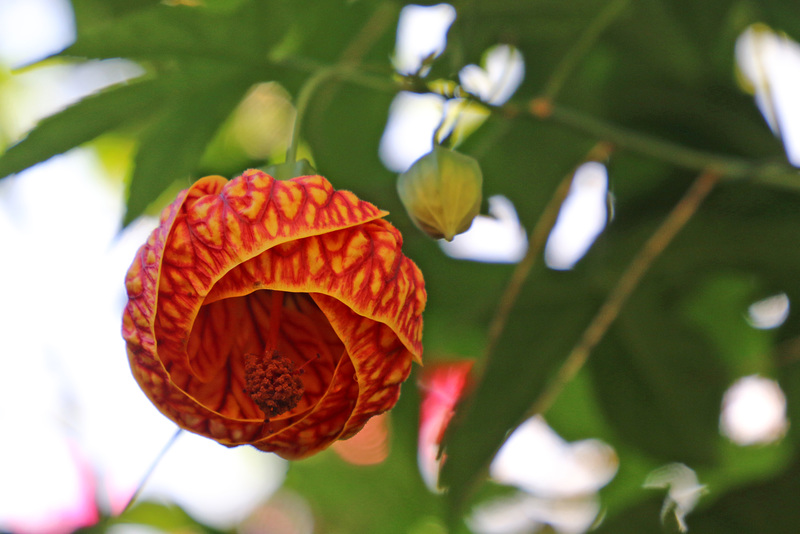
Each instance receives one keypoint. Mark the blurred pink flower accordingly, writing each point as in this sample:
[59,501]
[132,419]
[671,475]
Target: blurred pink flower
[79,510]
[442,384]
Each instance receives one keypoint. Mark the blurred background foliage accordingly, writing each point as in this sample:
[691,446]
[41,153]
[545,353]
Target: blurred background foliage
[656,80]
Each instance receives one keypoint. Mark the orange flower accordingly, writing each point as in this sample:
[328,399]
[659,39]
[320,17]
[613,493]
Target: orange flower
[280,314]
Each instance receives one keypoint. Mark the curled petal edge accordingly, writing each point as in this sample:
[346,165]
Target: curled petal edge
[226,227]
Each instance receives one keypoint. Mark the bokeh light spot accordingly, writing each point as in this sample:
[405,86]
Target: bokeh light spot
[421,32]
[581,219]
[754,411]
[770,312]
[497,238]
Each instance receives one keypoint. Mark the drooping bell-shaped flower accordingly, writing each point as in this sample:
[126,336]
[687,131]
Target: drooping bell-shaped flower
[442,192]
[280,314]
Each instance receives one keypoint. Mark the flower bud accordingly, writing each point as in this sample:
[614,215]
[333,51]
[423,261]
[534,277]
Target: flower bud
[442,192]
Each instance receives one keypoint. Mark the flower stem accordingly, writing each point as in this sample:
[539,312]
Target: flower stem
[773,173]
[581,46]
[150,470]
[726,166]
[536,244]
[345,68]
[608,312]
[303,99]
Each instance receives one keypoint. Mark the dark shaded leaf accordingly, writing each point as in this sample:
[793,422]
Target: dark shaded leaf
[781,15]
[349,159]
[91,12]
[765,506]
[643,517]
[175,31]
[543,328]
[82,122]
[660,381]
[171,148]
[391,496]
[524,160]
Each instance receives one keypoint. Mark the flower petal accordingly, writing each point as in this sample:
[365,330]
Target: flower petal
[202,292]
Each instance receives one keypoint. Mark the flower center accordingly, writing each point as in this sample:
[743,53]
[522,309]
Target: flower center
[273,382]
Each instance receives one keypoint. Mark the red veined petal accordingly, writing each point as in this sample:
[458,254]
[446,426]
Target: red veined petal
[203,291]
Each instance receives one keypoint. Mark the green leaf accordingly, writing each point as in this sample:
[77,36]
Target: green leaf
[533,27]
[82,122]
[781,15]
[241,36]
[223,6]
[719,305]
[763,506]
[172,147]
[240,31]
[524,161]
[387,498]
[348,159]
[90,13]
[158,517]
[659,380]
[543,327]
[164,517]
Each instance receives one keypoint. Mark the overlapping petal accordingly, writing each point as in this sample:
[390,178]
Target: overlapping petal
[237,265]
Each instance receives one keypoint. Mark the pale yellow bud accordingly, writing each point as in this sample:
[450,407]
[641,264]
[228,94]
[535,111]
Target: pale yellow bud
[442,192]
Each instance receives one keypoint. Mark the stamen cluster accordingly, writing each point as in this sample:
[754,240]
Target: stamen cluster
[273,382]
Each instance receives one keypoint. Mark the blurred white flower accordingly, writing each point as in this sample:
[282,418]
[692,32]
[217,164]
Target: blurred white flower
[421,32]
[769,64]
[559,483]
[498,238]
[770,312]
[536,459]
[216,485]
[754,411]
[501,73]
[413,119]
[524,514]
[581,219]
[684,490]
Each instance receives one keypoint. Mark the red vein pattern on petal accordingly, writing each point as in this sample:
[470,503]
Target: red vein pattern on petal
[195,307]
[380,360]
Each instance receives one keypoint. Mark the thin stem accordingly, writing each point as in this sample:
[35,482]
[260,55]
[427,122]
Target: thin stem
[350,60]
[376,78]
[303,99]
[725,166]
[581,46]
[344,69]
[152,468]
[679,155]
[379,22]
[536,244]
[655,245]
[728,167]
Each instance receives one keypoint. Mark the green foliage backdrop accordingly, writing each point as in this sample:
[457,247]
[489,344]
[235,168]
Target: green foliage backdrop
[656,80]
